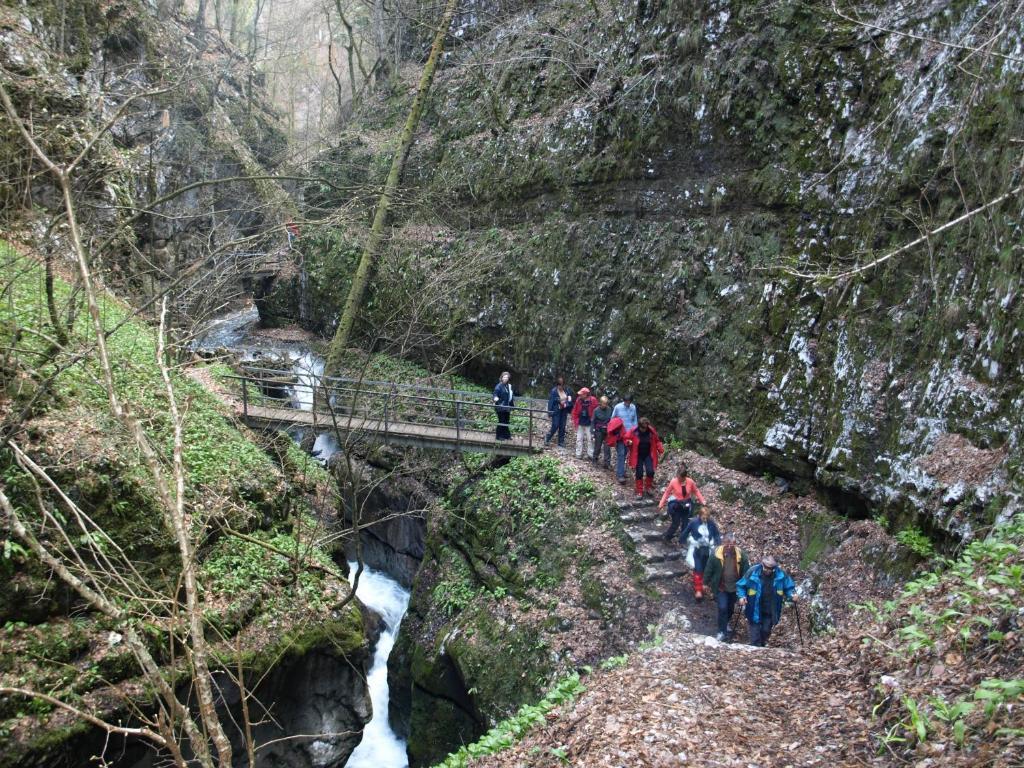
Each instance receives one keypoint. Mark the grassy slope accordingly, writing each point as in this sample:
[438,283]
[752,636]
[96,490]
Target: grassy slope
[252,594]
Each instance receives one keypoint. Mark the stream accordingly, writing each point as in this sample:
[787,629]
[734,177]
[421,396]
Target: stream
[380,746]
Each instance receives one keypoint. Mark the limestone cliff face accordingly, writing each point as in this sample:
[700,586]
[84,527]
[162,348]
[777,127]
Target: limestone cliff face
[642,174]
[174,114]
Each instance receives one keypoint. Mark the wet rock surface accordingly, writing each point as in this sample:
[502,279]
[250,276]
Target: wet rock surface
[644,199]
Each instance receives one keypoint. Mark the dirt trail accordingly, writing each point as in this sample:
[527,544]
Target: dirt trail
[689,699]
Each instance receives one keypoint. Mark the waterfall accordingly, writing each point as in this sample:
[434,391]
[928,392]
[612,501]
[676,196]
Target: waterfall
[380,747]
[308,370]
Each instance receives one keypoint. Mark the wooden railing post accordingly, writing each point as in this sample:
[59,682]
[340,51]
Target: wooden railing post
[458,422]
[530,410]
[245,398]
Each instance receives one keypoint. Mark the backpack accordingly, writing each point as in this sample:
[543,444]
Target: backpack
[585,415]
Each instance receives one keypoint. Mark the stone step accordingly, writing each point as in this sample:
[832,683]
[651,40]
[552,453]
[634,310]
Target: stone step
[642,533]
[672,569]
[656,552]
[637,504]
[645,515]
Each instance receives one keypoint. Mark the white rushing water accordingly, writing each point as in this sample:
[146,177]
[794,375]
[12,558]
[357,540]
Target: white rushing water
[308,369]
[380,747]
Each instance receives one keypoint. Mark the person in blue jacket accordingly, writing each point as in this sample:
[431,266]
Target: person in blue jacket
[504,399]
[762,590]
[559,407]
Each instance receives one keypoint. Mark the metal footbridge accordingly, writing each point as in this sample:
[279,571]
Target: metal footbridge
[387,412]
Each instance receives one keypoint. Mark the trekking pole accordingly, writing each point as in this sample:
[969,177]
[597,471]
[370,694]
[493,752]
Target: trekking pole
[799,625]
[734,622]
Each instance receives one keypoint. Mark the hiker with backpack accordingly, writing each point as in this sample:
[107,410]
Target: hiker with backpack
[504,399]
[762,591]
[700,536]
[645,449]
[725,567]
[583,420]
[602,415]
[680,494]
[559,406]
[626,413]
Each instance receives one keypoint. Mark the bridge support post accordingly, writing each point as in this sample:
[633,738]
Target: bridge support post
[458,423]
[245,398]
[530,431]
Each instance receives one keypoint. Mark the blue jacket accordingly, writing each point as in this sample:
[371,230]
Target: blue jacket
[627,413]
[692,531]
[554,404]
[749,587]
[503,396]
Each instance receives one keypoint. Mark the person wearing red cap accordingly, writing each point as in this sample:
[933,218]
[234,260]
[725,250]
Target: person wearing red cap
[583,419]
[645,449]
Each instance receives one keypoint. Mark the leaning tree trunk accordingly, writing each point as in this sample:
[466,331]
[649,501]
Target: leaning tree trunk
[361,279]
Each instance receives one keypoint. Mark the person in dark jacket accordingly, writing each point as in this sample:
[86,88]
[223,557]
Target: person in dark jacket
[762,591]
[602,415]
[559,406]
[700,535]
[504,399]
[725,567]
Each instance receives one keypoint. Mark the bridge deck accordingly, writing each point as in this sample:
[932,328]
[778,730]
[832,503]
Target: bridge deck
[396,433]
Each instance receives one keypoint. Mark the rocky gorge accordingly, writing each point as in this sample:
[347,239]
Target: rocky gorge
[791,229]
[669,209]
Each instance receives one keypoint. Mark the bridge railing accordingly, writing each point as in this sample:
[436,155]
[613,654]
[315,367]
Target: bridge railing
[387,404]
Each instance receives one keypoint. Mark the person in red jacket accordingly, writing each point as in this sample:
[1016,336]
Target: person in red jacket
[645,449]
[583,420]
[616,434]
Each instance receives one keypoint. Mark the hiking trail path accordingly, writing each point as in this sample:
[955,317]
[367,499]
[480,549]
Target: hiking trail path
[683,698]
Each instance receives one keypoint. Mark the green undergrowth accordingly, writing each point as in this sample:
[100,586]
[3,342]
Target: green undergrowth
[511,730]
[215,453]
[266,588]
[962,622]
[508,572]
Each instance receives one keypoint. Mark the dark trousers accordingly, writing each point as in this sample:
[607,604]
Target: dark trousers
[700,559]
[600,435]
[558,419]
[645,464]
[726,605]
[760,631]
[503,432]
[680,512]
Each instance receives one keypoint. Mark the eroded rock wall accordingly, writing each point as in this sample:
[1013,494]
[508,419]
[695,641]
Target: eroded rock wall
[647,177]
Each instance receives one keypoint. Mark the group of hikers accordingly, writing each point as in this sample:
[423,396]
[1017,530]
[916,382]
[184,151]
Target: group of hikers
[720,568]
[599,428]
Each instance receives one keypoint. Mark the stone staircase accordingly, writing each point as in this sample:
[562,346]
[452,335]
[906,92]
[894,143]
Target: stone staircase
[664,563]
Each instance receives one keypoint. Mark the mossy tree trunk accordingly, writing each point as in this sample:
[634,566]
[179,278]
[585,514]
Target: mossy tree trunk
[368,261]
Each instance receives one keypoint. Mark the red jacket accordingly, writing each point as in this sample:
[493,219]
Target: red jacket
[578,408]
[634,447]
[615,432]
